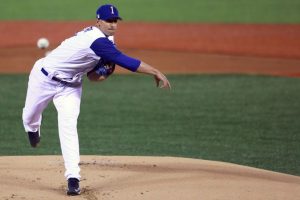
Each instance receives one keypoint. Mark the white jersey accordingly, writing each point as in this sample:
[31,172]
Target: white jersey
[74,57]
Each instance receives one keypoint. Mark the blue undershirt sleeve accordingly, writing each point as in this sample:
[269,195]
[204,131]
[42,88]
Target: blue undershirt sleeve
[105,49]
[127,62]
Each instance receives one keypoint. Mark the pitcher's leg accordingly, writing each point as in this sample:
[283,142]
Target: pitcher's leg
[68,108]
[32,113]
[39,94]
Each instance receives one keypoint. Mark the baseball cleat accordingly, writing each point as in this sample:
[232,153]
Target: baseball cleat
[34,138]
[73,187]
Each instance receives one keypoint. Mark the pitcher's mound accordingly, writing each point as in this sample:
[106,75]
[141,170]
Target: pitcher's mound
[124,177]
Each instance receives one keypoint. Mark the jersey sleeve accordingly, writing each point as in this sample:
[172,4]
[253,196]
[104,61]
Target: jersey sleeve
[105,49]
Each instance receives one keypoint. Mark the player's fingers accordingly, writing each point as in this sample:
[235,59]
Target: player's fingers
[166,84]
[157,80]
[169,85]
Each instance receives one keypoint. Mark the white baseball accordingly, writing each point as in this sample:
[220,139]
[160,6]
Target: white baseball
[43,43]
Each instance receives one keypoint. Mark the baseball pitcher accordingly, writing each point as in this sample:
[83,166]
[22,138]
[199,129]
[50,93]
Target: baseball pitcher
[58,78]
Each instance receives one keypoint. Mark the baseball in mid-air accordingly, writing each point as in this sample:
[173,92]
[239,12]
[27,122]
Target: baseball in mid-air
[43,43]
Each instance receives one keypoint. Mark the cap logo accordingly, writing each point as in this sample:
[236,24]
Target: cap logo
[112,10]
[107,11]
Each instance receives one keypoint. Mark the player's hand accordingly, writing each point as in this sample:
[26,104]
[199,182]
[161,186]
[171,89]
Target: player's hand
[162,78]
[158,76]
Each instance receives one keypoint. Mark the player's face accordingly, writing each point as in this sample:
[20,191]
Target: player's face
[108,27]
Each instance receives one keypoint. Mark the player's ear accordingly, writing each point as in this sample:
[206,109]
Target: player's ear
[98,24]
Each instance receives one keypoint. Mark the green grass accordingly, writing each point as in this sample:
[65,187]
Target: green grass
[205,11]
[248,120]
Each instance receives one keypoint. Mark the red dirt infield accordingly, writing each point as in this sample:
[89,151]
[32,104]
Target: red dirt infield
[173,48]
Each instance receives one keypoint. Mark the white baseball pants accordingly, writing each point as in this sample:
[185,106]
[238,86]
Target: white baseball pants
[41,90]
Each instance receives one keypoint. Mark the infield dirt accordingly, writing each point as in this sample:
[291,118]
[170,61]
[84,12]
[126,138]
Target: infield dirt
[111,177]
[173,48]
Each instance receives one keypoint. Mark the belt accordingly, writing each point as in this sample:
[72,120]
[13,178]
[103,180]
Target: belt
[54,78]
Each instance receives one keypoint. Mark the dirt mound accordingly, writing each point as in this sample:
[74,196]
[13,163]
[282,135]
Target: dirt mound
[112,177]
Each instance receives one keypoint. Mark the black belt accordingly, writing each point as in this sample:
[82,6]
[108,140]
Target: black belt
[54,78]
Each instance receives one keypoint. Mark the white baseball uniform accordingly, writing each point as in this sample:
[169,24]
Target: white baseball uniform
[58,78]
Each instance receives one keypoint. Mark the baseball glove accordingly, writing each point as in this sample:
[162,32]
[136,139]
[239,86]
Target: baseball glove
[102,71]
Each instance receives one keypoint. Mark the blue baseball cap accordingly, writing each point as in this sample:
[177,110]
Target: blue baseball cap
[107,12]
